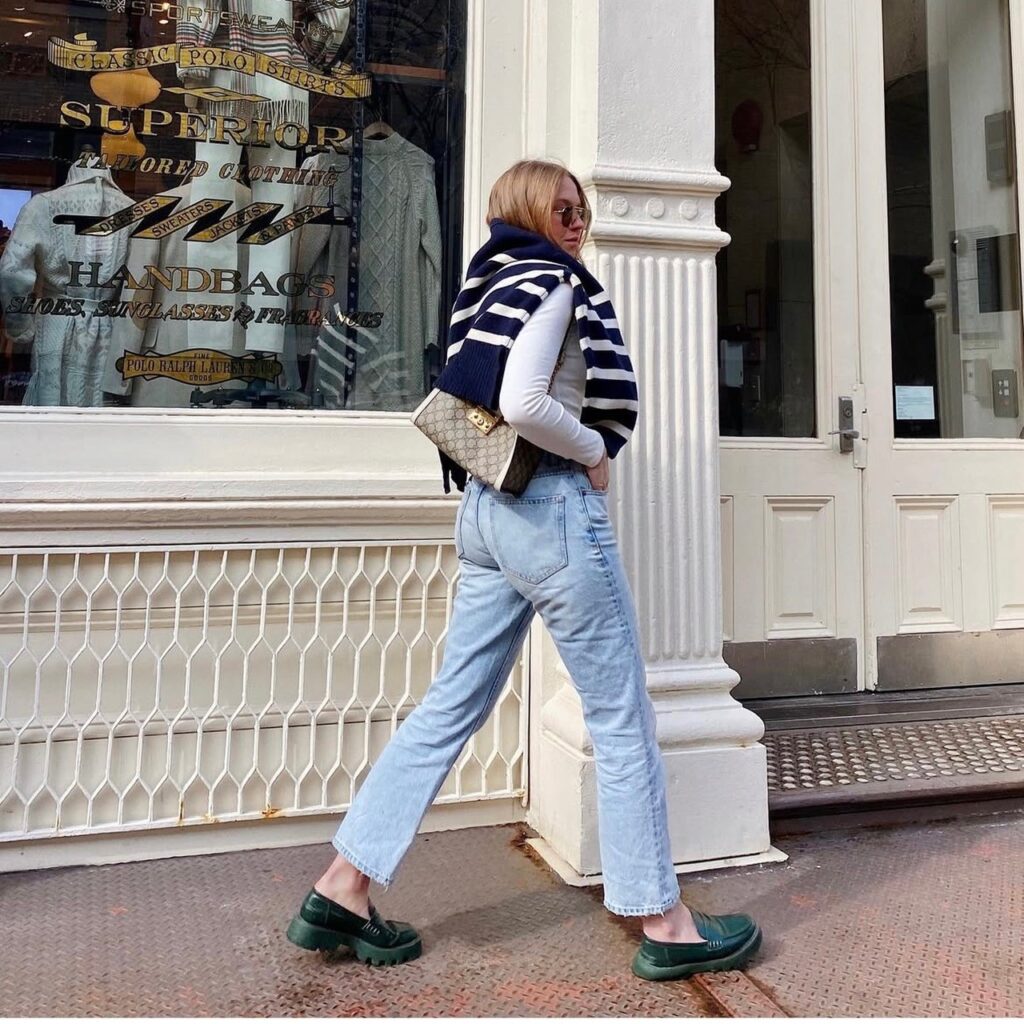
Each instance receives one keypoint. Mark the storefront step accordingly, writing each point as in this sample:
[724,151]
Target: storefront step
[846,709]
[871,765]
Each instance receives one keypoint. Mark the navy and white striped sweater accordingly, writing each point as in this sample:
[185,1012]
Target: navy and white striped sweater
[508,278]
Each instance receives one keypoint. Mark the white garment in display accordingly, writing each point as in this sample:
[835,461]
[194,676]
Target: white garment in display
[164,336]
[273,260]
[266,27]
[550,421]
[399,273]
[68,352]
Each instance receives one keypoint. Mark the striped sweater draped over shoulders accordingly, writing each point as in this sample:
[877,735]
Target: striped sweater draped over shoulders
[506,281]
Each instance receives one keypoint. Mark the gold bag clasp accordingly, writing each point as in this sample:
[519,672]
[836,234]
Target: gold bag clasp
[483,420]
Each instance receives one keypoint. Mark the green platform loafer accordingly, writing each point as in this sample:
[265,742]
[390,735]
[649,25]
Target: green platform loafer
[729,941]
[322,924]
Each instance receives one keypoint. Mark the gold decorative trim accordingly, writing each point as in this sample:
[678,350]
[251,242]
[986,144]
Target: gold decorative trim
[83,54]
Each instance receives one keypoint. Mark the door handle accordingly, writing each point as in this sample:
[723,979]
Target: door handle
[847,435]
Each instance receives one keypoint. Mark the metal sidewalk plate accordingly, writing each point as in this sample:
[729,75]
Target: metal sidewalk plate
[912,757]
[204,936]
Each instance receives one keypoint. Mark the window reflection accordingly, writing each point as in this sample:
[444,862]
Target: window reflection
[246,203]
[766,275]
[953,244]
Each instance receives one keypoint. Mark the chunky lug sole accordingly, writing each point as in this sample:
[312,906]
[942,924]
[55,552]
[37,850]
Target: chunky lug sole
[311,936]
[642,968]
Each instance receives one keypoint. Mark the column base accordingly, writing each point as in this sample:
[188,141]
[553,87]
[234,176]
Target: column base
[717,804]
[571,876]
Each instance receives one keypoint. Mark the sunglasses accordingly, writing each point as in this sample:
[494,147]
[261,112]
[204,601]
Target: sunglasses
[567,213]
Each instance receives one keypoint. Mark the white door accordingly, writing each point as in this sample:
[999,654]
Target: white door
[789,351]
[899,563]
[940,317]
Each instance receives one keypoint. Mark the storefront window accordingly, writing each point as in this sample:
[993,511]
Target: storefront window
[954,268]
[766,275]
[228,203]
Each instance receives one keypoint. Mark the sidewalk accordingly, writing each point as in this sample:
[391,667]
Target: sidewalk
[924,920]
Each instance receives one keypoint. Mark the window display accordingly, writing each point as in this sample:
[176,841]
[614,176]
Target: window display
[229,203]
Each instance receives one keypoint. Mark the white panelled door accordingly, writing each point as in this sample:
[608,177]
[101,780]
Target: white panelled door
[944,497]
[893,559]
[791,505]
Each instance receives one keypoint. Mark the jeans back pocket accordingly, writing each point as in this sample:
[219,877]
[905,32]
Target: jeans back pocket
[529,536]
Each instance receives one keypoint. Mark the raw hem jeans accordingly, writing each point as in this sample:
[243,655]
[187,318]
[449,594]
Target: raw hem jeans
[552,550]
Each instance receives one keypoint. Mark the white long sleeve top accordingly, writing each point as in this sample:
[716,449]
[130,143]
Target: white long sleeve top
[550,421]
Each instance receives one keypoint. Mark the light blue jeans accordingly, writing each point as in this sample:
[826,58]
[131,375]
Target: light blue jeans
[553,551]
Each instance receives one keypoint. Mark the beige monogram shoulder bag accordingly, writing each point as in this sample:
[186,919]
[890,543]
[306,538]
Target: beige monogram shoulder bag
[479,440]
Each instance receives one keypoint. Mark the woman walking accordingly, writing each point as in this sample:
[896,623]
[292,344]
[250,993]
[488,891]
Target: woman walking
[550,550]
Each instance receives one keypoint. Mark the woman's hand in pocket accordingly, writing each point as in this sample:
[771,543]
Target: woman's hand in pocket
[600,474]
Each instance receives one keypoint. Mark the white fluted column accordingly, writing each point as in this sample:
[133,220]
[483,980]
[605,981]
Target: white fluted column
[647,161]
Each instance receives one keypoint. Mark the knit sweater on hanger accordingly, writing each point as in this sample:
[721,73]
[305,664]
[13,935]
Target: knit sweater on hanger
[399,272]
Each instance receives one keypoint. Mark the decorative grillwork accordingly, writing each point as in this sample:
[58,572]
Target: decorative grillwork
[186,685]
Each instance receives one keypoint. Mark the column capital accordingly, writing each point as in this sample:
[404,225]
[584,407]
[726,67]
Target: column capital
[657,209]
[697,184]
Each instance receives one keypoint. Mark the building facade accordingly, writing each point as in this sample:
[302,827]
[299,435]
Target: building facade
[235,227]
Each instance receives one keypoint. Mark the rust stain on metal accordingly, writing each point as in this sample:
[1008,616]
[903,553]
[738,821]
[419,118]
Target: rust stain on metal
[768,990]
[270,812]
[737,995]
[519,842]
[519,838]
[802,899]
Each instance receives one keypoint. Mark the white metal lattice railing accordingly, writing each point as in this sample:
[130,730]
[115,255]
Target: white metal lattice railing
[188,685]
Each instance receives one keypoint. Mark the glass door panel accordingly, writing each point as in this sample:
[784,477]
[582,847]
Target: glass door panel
[953,243]
[766,275]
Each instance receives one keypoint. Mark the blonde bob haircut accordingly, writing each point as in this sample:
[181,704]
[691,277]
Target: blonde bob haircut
[525,195]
